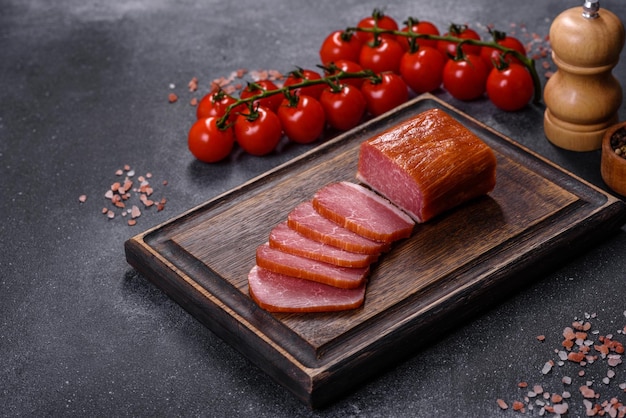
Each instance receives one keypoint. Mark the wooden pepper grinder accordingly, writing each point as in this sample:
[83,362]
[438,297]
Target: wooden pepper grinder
[583,96]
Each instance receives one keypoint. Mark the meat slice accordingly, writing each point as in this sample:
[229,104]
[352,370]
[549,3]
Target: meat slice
[281,293]
[291,241]
[427,164]
[307,221]
[362,211]
[304,268]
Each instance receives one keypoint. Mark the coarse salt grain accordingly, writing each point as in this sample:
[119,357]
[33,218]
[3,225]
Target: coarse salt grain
[135,212]
[502,404]
[518,406]
[193,84]
[614,360]
[547,367]
[587,392]
[560,408]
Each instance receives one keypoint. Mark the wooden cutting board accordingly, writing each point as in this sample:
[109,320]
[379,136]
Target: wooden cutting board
[451,267]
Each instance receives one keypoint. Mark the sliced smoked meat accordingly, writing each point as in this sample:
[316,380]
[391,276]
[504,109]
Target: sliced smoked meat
[307,221]
[304,268]
[362,211]
[291,241]
[427,164]
[281,293]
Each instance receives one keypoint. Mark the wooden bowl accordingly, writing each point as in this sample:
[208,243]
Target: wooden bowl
[613,166]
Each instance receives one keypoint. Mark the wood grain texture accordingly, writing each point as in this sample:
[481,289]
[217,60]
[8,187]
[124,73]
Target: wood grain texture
[613,166]
[583,96]
[449,269]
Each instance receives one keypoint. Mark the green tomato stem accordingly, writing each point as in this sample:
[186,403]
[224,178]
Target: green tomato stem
[528,62]
[330,80]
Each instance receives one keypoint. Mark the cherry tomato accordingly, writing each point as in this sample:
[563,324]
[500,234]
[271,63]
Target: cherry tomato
[344,106]
[271,102]
[491,55]
[215,104]
[381,55]
[347,67]
[423,27]
[384,93]
[259,131]
[465,79]
[207,142]
[377,19]
[422,70]
[340,45]
[299,75]
[302,118]
[449,49]
[510,88]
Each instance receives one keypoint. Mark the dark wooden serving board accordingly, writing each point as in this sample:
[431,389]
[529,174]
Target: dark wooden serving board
[452,267]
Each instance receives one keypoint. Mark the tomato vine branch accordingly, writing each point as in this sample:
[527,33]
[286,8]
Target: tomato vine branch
[330,80]
[528,62]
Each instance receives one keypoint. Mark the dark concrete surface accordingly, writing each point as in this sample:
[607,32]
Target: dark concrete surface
[84,89]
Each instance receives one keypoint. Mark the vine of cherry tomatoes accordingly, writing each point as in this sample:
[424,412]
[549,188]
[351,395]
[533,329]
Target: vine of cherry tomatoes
[366,70]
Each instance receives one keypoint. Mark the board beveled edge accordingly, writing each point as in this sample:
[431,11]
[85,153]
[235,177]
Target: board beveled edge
[317,387]
[219,318]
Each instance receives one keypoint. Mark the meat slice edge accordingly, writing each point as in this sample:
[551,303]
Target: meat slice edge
[310,223]
[305,268]
[362,211]
[276,292]
[288,240]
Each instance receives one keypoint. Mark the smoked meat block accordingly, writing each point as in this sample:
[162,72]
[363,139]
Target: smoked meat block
[427,164]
